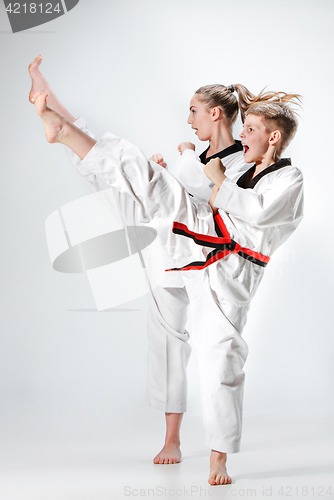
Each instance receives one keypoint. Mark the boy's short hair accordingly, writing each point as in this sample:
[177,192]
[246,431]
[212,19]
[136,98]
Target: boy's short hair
[277,116]
[273,107]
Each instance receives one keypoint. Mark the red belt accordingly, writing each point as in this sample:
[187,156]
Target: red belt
[222,244]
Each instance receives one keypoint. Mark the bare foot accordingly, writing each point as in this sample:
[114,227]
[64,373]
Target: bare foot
[170,454]
[53,122]
[38,82]
[218,472]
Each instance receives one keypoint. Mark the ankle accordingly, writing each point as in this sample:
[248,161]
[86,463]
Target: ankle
[64,131]
[173,441]
[219,455]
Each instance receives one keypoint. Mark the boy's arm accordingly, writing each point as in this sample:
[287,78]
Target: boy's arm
[280,203]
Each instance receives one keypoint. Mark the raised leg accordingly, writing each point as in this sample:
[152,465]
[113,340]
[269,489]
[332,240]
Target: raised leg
[40,85]
[59,129]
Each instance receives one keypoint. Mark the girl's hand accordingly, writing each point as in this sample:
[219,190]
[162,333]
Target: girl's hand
[185,145]
[215,170]
[157,158]
[214,192]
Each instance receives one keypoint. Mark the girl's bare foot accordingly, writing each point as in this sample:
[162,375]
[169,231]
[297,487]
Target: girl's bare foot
[218,472]
[38,82]
[53,122]
[170,454]
[39,85]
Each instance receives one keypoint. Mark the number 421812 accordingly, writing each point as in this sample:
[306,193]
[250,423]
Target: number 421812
[33,8]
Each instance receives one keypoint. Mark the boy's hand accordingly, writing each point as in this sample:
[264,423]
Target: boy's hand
[215,170]
[159,160]
[185,145]
[212,199]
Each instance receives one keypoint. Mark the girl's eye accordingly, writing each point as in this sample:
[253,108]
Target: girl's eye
[250,129]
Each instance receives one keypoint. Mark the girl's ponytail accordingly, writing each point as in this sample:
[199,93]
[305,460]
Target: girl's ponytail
[247,99]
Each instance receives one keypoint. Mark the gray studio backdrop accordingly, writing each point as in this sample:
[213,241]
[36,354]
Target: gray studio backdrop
[131,67]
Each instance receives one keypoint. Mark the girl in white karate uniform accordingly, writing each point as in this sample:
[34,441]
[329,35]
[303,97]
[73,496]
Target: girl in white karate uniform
[222,247]
[213,110]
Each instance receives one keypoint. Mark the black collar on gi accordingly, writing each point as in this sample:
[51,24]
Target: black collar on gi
[246,181]
[235,148]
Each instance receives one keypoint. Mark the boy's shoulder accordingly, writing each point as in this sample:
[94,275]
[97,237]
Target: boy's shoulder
[291,171]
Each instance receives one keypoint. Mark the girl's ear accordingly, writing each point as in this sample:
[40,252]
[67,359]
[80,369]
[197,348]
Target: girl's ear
[215,113]
[275,137]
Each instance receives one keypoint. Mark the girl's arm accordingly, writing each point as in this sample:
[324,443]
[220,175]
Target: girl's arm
[191,175]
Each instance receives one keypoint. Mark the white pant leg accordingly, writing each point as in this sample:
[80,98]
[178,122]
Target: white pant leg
[159,199]
[168,352]
[216,327]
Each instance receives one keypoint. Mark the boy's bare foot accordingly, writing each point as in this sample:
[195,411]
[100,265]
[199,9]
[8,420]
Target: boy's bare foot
[170,454]
[38,82]
[53,122]
[218,472]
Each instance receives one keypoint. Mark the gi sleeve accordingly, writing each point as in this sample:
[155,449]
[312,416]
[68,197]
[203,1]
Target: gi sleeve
[280,202]
[191,176]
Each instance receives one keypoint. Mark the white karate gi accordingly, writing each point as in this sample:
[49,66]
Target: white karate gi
[259,219]
[169,352]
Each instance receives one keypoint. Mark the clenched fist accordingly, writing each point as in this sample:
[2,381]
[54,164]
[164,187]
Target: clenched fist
[157,158]
[185,145]
[215,170]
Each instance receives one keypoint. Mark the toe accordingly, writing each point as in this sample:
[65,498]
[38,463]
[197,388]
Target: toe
[35,63]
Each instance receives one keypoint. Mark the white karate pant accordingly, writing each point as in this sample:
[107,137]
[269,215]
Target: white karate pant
[215,332]
[169,351]
[215,329]
[216,324]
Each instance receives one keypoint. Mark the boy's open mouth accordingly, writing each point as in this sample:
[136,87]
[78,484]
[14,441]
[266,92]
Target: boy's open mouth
[246,148]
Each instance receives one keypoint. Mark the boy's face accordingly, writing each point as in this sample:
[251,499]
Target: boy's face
[200,119]
[254,138]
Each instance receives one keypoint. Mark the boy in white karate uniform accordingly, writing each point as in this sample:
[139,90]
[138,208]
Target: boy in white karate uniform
[224,255]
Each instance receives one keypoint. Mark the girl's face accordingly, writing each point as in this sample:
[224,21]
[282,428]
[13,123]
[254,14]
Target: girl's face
[255,138]
[200,119]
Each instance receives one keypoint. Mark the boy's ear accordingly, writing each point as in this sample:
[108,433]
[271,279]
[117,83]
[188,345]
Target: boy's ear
[275,136]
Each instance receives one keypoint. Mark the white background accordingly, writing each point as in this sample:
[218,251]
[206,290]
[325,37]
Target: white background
[131,67]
